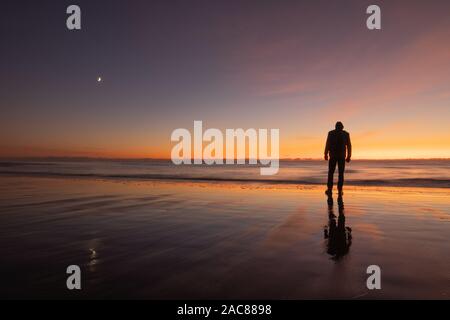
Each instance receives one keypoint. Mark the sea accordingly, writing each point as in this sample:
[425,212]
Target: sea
[398,173]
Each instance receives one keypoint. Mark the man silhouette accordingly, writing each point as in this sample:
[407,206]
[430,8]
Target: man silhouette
[338,149]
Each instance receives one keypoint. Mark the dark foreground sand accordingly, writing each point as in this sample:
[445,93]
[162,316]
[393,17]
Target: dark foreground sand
[158,239]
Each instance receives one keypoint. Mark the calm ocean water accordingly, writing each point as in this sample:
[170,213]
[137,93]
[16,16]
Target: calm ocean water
[410,173]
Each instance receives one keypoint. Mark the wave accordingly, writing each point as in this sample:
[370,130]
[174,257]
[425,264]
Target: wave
[404,182]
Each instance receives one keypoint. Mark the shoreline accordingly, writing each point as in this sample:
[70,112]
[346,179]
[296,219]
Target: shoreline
[413,183]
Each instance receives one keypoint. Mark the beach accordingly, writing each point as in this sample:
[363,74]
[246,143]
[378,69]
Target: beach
[185,152]
[188,239]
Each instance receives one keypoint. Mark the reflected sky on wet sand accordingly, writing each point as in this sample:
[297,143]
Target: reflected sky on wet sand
[218,240]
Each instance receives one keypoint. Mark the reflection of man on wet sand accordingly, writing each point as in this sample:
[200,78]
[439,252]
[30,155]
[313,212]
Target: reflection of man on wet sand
[338,235]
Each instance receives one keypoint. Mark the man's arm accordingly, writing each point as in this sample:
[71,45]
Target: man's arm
[327,147]
[349,148]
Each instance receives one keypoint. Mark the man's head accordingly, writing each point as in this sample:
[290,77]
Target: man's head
[339,126]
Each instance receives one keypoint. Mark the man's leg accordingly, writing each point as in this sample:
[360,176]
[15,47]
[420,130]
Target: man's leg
[331,168]
[341,168]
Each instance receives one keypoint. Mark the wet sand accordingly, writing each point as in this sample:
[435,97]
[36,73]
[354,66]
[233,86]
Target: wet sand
[161,240]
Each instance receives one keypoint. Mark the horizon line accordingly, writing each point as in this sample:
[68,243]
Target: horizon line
[192,159]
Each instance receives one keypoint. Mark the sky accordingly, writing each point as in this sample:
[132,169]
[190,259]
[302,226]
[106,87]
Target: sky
[298,66]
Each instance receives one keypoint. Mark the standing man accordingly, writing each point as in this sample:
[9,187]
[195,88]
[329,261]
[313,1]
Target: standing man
[338,150]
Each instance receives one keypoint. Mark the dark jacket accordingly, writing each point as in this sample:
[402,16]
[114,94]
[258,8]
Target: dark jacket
[338,143]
